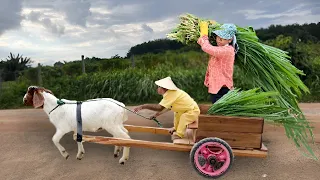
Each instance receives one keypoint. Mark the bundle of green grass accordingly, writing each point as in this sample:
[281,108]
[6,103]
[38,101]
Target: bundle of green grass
[269,69]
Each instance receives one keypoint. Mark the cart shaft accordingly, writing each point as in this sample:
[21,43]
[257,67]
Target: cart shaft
[164,145]
[136,143]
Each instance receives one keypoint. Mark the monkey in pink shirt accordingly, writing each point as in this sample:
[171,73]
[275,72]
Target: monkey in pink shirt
[219,74]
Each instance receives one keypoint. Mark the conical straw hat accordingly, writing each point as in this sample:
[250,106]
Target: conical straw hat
[166,83]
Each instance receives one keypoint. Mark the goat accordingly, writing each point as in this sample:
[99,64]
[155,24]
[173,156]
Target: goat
[104,113]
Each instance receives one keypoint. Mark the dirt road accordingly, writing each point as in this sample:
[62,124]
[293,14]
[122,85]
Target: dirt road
[27,152]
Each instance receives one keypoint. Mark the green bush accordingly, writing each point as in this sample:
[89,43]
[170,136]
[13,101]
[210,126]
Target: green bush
[12,93]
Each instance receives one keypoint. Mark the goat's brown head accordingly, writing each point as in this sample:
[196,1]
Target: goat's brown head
[34,97]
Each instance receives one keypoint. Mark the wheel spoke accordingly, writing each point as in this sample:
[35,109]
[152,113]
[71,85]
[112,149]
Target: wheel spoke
[208,168]
[205,166]
[222,156]
[205,152]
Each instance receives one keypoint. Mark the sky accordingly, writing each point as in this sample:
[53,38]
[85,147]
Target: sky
[48,31]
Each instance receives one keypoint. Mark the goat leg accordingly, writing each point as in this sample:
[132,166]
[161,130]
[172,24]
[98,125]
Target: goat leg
[56,139]
[126,150]
[116,152]
[81,152]
[118,132]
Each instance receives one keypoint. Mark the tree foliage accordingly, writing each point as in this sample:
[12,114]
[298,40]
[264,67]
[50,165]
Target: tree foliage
[303,33]
[12,66]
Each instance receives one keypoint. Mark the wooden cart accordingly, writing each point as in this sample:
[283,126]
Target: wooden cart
[212,141]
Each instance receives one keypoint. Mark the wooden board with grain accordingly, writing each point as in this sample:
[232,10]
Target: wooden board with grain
[204,108]
[235,140]
[144,129]
[188,138]
[238,132]
[230,124]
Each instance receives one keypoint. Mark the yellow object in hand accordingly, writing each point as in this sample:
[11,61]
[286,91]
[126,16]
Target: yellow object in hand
[203,28]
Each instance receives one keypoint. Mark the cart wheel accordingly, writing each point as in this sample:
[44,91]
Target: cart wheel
[211,157]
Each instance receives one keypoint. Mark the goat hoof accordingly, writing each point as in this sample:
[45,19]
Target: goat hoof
[122,161]
[65,154]
[80,156]
[116,154]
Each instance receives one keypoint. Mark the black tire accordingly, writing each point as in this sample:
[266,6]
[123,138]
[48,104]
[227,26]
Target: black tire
[198,144]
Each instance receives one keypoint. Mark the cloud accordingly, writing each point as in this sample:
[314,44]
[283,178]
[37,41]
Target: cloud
[35,16]
[147,28]
[10,17]
[251,14]
[76,11]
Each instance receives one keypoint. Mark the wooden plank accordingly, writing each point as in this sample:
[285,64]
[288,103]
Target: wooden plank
[235,140]
[162,145]
[184,141]
[136,143]
[194,125]
[145,129]
[230,124]
[194,135]
[250,153]
[187,140]
[204,108]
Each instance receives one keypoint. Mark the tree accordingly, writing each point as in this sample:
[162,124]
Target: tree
[116,57]
[13,66]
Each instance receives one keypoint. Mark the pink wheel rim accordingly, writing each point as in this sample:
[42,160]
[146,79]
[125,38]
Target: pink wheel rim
[220,153]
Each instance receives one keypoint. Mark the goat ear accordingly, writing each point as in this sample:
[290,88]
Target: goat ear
[47,90]
[38,99]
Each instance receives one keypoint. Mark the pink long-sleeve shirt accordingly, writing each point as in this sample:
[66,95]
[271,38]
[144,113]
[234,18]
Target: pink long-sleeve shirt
[220,66]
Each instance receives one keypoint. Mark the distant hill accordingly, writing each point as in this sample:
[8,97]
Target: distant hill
[305,32]
[158,46]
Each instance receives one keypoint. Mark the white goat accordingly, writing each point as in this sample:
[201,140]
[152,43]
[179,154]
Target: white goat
[101,114]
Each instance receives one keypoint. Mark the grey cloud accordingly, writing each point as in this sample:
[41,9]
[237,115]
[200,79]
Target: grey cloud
[76,11]
[147,28]
[55,28]
[277,14]
[34,16]
[10,17]
[46,22]
[316,9]
[39,4]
